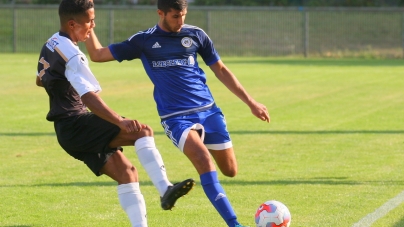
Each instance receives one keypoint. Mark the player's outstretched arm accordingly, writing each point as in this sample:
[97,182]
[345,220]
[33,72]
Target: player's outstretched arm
[231,82]
[97,52]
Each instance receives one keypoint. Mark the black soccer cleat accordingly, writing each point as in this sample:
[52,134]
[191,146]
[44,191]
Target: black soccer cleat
[175,192]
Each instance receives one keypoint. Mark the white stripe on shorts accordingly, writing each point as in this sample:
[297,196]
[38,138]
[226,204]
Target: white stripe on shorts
[220,146]
[186,132]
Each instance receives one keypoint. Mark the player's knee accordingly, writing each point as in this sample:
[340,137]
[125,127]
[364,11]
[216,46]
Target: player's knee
[147,131]
[228,169]
[131,171]
[128,174]
[230,172]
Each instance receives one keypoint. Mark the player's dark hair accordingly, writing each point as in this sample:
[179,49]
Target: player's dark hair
[167,5]
[68,9]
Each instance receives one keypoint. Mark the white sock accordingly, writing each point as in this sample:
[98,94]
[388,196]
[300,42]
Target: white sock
[152,162]
[133,204]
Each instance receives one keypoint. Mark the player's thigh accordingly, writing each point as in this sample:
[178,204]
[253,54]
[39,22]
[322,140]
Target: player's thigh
[86,138]
[128,139]
[226,161]
[216,135]
[85,133]
[120,169]
[197,153]
[178,128]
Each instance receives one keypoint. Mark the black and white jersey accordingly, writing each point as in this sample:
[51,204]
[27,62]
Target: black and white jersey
[66,76]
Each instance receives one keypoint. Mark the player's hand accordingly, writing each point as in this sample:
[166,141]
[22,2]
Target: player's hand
[260,111]
[131,125]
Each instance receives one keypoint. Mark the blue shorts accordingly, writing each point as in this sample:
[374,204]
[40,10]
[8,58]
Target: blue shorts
[210,124]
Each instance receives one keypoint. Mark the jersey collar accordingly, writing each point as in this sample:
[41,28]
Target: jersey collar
[64,35]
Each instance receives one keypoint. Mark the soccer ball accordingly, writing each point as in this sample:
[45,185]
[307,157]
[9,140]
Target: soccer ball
[272,214]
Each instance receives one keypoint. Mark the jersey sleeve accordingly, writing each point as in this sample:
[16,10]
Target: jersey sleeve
[127,50]
[80,76]
[207,51]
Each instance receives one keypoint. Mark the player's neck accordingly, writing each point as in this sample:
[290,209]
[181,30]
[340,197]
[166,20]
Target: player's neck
[161,26]
[69,34]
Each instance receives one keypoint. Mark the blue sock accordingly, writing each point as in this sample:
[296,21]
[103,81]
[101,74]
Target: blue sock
[218,198]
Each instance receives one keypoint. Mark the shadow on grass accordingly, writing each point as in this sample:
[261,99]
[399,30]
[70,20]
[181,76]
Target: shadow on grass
[312,181]
[27,134]
[16,225]
[399,223]
[73,184]
[318,62]
[242,132]
[322,132]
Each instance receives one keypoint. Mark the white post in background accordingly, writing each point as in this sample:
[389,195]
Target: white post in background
[208,19]
[306,36]
[402,33]
[14,29]
[111,26]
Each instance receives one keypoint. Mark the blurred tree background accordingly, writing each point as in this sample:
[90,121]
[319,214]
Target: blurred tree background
[283,3]
[319,3]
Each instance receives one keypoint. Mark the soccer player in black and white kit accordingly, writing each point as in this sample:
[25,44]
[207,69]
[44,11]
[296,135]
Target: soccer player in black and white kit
[96,137]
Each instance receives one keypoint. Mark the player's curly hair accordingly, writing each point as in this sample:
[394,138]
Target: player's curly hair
[70,8]
[167,5]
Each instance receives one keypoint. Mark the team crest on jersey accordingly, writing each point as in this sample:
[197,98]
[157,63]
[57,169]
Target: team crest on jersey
[186,42]
[51,44]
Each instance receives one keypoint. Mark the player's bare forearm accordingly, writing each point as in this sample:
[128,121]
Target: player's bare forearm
[100,108]
[97,52]
[231,82]
[94,102]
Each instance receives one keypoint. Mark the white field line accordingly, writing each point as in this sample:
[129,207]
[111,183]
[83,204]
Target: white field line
[380,212]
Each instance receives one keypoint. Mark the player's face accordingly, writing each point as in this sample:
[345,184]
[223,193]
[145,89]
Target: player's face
[173,20]
[83,25]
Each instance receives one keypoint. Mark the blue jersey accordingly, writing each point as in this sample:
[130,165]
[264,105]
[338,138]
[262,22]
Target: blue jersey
[170,61]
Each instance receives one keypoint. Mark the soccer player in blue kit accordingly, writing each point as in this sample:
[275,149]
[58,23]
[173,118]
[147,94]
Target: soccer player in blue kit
[185,104]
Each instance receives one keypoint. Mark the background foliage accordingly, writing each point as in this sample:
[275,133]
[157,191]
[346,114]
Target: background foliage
[321,3]
[236,31]
[345,3]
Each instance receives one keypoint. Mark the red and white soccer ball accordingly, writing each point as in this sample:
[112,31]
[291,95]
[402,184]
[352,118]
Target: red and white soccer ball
[272,214]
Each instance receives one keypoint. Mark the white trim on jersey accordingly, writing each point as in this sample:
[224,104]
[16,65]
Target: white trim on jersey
[189,111]
[80,76]
[196,28]
[149,31]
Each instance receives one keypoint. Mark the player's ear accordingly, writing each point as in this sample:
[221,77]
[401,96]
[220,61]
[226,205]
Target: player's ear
[71,23]
[160,13]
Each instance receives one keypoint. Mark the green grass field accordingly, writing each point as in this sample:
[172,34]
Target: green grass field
[333,152]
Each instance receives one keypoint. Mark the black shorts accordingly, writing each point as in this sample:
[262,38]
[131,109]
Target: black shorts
[86,138]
